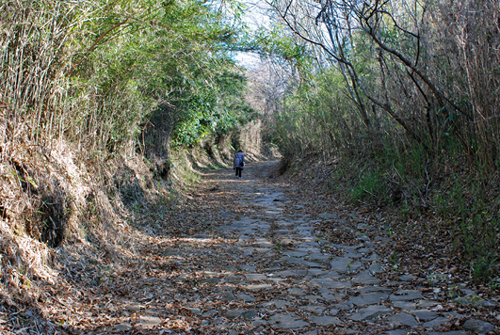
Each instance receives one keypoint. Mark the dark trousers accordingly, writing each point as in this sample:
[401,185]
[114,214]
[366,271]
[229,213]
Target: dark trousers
[238,171]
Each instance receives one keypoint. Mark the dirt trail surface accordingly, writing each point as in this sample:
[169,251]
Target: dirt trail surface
[244,257]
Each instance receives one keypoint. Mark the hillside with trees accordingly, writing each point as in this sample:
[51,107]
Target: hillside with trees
[402,97]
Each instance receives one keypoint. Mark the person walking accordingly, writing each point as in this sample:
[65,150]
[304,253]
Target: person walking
[239,163]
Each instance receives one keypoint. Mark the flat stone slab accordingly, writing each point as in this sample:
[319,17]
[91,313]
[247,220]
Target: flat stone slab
[397,332]
[250,268]
[319,258]
[407,277]
[376,268]
[295,253]
[425,315]
[406,295]
[369,299]
[327,216]
[149,321]
[371,258]
[233,314]
[255,276]
[328,295]
[316,310]
[371,312]
[405,305]
[331,275]
[286,273]
[480,326]
[227,215]
[325,320]
[287,321]
[426,303]
[330,283]
[296,291]
[354,254]
[299,261]
[436,322]
[123,326]
[259,287]
[404,319]
[315,272]
[228,296]
[340,264]
[278,304]
[246,297]
[365,278]
[373,289]
[249,315]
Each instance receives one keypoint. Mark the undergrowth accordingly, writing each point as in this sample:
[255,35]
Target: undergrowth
[461,204]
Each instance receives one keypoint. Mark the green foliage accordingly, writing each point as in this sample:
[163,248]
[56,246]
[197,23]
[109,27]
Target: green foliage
[111,65]
[371,184]
[484,268]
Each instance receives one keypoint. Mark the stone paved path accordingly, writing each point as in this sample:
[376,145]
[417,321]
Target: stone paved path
[271,272]
[286,279]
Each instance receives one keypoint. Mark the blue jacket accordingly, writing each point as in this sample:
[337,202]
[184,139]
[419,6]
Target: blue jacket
[239,160]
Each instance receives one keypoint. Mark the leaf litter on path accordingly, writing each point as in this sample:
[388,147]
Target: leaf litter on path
[262,256]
